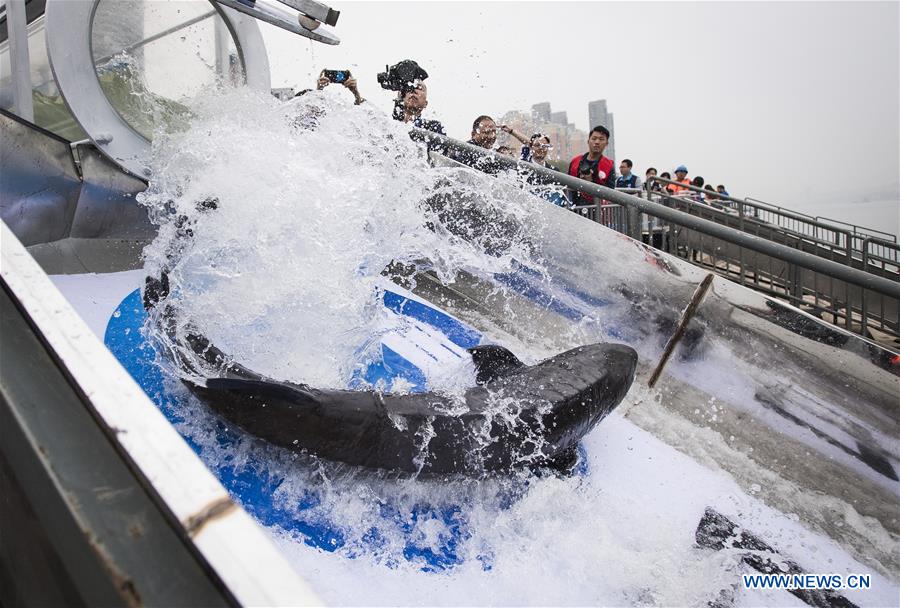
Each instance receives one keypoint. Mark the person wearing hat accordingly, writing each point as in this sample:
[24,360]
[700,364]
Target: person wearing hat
[680,177]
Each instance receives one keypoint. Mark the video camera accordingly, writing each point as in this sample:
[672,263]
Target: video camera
[401,76]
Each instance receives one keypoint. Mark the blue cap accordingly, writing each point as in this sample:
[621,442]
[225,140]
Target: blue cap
[681,168]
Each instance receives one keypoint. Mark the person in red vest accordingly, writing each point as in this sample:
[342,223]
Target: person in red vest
[593,166]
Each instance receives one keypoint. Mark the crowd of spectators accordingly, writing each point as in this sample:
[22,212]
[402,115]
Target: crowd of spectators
[678,186]
[412,99]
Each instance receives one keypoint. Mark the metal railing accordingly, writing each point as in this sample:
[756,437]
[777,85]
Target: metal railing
[850,244]
[612,216]
[821,293]
[857,231]
[819,273]
[826,232]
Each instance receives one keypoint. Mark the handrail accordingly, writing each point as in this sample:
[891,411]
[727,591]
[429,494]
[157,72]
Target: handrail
[868,255]
[880,241]
[786,231]
[787,213]
[857,229]
[821,219]
[773,207]
[809,238]
[851,237]
[893,237]
[805,260]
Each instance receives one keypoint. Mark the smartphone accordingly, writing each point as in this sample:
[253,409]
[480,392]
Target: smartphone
[338,76]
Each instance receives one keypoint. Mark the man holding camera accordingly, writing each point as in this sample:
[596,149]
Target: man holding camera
[407,79]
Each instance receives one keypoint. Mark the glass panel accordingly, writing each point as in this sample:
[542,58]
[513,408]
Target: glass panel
[50,112]
[151,56]
[6,91]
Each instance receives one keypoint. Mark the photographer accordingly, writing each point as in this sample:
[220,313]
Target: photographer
[407,79]
[312,112]
[344,77]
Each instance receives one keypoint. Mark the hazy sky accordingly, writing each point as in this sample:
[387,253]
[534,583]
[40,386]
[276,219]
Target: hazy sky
[794,103]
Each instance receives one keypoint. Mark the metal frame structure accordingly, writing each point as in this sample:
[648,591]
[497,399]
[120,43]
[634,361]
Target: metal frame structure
[19,57]
[220,537]
[823,232]
[856,230]
[69,46]
[819,292]
[278,15]
[74,209]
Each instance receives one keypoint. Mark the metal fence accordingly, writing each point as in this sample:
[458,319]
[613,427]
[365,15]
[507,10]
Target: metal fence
[858,233]
[856,242]
[838,301]
[610,215]
[822,273]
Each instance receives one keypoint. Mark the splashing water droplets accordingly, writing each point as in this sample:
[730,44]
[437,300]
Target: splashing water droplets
[315,197]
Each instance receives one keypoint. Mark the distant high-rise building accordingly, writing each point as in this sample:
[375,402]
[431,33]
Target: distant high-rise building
[541,111]
[599,115]
[611,148]
[559,118]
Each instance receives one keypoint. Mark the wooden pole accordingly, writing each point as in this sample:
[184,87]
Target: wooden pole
[686,317]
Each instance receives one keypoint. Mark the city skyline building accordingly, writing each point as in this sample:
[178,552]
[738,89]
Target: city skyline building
[599,114]
[541,111]
[559,118]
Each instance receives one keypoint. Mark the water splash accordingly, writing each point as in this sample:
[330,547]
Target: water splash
[285,274]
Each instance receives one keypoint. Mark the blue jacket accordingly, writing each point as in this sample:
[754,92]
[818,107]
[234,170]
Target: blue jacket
[627,182]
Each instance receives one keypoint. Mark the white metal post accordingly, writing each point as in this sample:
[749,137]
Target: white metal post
[223,60]
[19,58]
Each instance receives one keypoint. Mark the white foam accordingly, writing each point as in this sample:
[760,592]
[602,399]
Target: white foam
[624,535]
